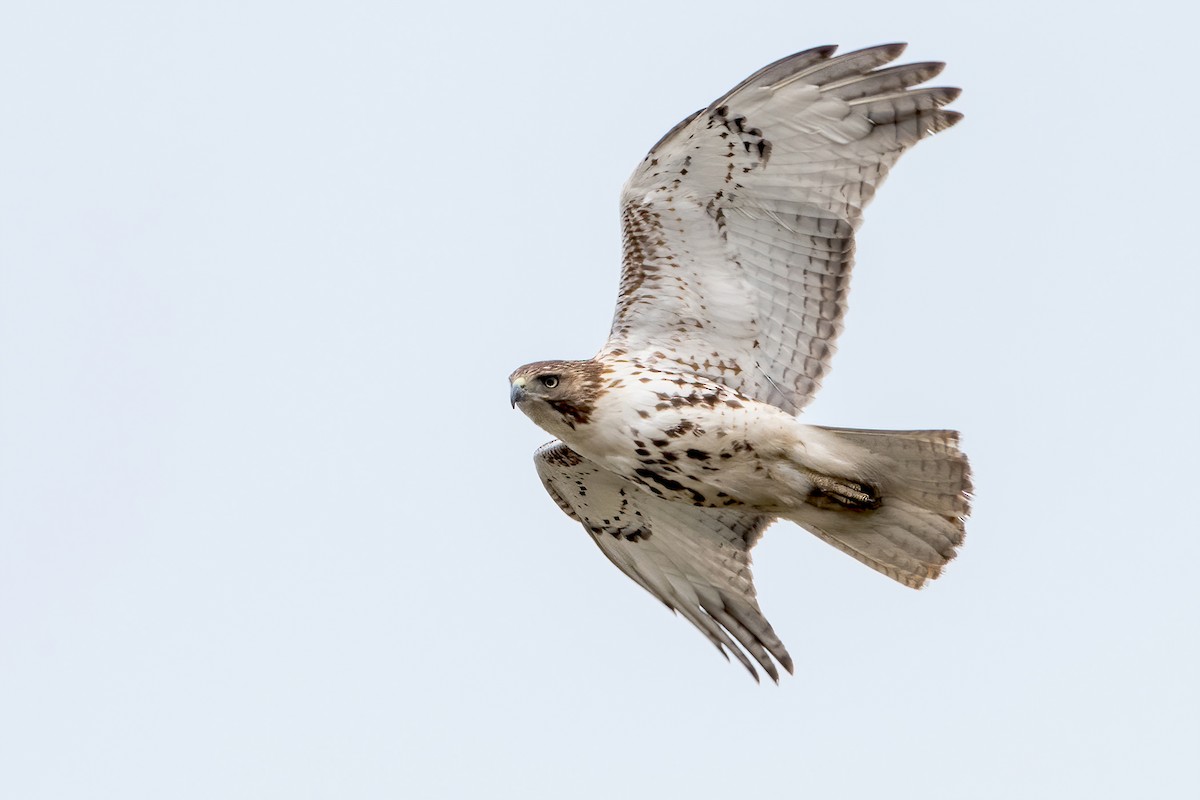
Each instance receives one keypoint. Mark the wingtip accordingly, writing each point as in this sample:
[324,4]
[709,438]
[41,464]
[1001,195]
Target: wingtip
[946,119]
[889,52]
[774,673]
[948,94]
[741,657]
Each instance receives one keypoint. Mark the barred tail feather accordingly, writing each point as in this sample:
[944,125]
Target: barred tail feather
[923,483]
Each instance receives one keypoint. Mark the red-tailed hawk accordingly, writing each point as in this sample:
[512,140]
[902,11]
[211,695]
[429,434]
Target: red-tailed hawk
[678,443]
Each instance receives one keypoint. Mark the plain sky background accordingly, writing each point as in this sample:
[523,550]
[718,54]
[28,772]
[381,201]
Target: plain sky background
[269,528]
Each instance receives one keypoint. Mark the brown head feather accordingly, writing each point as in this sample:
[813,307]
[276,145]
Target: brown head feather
[579,385]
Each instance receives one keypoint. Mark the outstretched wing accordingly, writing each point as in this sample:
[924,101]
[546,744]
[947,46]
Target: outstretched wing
[695,560]
[739,224]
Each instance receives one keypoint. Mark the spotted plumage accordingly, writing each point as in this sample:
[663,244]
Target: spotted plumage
[678,443]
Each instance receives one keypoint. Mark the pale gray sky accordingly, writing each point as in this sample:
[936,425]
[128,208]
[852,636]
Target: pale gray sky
[269,528]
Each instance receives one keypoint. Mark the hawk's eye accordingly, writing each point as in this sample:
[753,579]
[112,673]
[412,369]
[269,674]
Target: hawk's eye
[549,381]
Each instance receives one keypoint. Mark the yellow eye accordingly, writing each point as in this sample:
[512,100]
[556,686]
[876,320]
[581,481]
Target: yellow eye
[549,381]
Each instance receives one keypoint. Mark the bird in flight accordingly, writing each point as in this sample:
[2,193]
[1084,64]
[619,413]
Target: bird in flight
[678,443]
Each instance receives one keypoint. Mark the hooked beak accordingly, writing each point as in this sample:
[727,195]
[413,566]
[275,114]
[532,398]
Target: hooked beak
[517,393]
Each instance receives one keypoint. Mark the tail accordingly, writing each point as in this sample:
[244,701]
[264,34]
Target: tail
[919,488]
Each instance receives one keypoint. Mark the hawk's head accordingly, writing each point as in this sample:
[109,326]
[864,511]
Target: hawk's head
[557,395]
